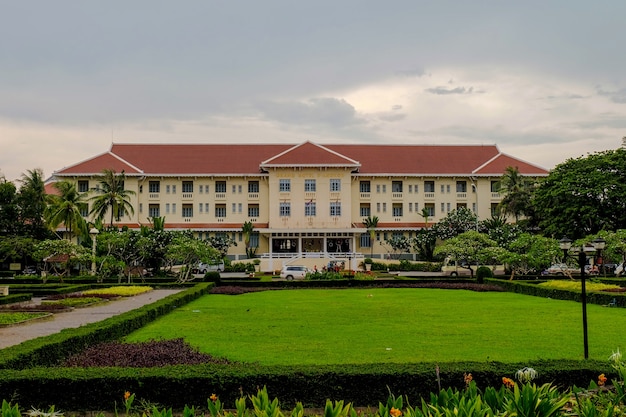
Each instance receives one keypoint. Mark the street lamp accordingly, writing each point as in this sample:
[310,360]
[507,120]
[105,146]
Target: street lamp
[598,244]
[94,233]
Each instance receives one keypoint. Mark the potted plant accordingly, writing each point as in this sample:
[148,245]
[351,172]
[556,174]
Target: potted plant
[368,264]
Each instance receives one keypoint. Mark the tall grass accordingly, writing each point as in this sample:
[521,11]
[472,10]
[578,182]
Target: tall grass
[389,325]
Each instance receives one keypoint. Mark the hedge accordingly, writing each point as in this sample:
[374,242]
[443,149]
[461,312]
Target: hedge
[362,385]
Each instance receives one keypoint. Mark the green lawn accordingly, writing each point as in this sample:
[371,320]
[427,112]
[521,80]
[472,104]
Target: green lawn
[389,325]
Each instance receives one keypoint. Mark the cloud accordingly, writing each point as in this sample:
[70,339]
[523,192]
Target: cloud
[327,111]
[617,96]
[445,90]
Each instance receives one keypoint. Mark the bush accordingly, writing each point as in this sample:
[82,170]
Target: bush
[483,272]
[212,276]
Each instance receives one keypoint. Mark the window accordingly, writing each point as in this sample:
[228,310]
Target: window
[366,242]
[173,208]
[83,186]
[200,206]
[495,186]
[84,209]
[239,208]
[378,188]
[429,186]
[140,207]
[253,210]
[443,188]
[365,210]
[220,210]
[309,186]
[234,189]
[495,209]
[365,187]
[310,209]
[448,188]
[254,240]
[396,186]
[154,210]
[234,206]
[167,189]
[430,209]
[206,208]
[285,209]
[284,185]
[253,186]
[187,186]
[384,207]
[447,207]
[335,209]
[174,189]
[239,189]
[443,207]
[121,212]
[415,188]
[410,188]
[410,207]
[167,208]
[397,210]
[187,210]
[206,188]
[377,207]
[155,187]
[220,186]
[384,188]
[335,185]
[461,186]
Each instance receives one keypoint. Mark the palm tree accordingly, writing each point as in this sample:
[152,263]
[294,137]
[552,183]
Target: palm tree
[425,214]
[32,201]
[112,197]
[248,229]
[516,191]
[371,222]
[65,208]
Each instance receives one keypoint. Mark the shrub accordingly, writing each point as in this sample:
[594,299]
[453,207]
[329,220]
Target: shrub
[212,276]
[483,272]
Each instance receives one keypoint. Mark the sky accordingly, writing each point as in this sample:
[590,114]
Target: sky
[543,80]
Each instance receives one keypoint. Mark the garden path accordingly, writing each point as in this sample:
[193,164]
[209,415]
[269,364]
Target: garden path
[15,335]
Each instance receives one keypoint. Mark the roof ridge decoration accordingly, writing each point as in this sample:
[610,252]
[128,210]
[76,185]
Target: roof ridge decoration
[321,157]
[109,153]
[507,156]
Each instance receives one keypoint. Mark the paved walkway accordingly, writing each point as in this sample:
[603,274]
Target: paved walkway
[15,335]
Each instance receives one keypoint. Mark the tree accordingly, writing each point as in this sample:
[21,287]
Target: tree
[9,209]
[471,248]
[399,245]
[32,204]
[530,253]
[583,196]
[247,230]
[222,243]
[371,223]
[188,251]
[456,222]
[67,253]
[517,191]
[425,214]
[111,197]
[424,243]
[65,209]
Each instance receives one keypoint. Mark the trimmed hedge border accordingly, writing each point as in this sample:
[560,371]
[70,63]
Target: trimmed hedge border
[531,288]
[362,385]
[14,298]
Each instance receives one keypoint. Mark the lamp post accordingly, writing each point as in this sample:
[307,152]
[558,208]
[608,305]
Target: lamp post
[598,244]
[94,233]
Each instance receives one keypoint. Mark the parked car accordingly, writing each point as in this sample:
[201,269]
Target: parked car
[619,270]
[30,270]
[203,268]
[291,272]
[563,269]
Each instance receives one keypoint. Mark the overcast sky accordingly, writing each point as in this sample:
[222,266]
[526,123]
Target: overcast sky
[543,80]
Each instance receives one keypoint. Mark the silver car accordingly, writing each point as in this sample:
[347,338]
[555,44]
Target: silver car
[291,272]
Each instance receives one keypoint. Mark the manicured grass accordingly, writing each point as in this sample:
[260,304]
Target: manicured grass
[13,318]
[389,325]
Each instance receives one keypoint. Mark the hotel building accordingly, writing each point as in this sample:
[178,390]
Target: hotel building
[307,201]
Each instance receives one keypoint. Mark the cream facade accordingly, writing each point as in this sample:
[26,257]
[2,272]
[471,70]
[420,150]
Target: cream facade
[307,202]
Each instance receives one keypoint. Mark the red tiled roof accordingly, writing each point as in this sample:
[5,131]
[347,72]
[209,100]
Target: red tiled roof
[98,163]
[310,154]
[230,159]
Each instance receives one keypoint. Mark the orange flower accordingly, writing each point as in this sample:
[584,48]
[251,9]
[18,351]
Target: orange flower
[126,395]
[394,412]
[508,382]
[213,397]
[467,378]
[601,379]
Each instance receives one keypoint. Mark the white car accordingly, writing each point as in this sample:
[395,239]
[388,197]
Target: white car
[203,268]
[563,269]
[291,272]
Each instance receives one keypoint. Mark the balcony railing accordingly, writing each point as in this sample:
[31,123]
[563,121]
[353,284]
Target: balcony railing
[429,195]
[365,196]
[220,196]
[153,196]
[187,196]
